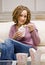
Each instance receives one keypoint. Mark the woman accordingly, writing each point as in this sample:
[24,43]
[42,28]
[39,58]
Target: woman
[23,35]
[21,17]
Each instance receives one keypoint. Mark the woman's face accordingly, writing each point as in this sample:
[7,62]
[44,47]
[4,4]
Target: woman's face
[22,18]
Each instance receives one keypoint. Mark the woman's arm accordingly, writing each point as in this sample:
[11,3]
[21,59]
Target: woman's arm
[35,37]
[17,35]
[34,33]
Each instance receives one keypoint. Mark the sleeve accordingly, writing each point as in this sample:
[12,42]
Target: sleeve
[35,37]
[11,32]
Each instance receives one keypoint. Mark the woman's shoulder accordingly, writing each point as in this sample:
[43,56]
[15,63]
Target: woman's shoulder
[13,26]
[31,23]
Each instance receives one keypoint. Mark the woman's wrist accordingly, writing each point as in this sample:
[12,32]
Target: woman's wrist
[31,31]
[14,37]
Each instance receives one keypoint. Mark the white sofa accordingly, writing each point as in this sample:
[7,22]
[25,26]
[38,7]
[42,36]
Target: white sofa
[5,27]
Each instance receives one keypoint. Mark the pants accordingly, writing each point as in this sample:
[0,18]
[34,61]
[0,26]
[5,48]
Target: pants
[10,47]
[4,56]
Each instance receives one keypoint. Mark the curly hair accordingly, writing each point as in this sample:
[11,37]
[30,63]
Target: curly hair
[18,10]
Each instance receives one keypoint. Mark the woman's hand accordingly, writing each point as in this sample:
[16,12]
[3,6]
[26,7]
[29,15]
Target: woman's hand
[1,40]
[18,34]
[31,27]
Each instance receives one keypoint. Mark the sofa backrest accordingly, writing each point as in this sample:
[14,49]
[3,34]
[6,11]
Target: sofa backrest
[41,29]
[5,27]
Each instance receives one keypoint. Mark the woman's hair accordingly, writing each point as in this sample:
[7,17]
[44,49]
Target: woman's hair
[18,10]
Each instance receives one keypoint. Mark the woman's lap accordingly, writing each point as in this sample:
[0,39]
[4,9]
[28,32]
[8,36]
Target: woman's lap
[20,47]
[11,46]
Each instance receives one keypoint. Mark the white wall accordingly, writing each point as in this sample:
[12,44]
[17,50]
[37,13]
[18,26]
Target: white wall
[34,5]
[9,5]
[0,5]
[6,6]
[40,5]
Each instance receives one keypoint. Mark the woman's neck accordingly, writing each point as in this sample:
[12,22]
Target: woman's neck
[19,25]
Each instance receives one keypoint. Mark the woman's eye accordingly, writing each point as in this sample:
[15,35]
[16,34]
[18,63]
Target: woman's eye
[25,16]
[21,15]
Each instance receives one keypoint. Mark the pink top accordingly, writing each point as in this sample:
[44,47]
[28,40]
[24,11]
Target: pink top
[30,38]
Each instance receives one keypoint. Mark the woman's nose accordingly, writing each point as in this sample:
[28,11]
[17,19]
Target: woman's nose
[23,18]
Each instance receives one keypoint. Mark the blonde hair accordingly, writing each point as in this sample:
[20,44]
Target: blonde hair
[17,11]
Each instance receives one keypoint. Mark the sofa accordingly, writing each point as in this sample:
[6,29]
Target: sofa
[5,27]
